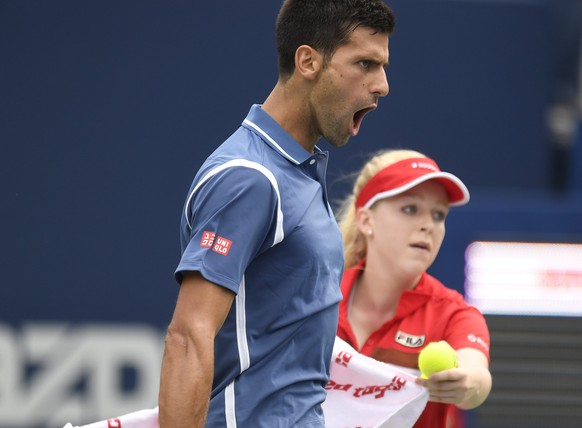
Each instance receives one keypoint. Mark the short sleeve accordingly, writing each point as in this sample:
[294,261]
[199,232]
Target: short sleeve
[467,328]
[230,219]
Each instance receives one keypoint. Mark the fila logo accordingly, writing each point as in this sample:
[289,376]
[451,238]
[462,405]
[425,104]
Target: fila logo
[409,340]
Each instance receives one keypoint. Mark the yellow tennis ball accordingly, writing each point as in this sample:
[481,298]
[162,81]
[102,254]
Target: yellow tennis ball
[435,357]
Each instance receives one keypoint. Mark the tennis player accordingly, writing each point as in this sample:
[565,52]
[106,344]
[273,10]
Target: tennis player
[251,337]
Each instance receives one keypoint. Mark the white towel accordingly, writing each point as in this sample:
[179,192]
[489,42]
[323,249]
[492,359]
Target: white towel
[147,418]
[366,393]
[361,393]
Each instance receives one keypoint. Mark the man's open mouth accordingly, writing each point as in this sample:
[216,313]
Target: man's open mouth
[359,117]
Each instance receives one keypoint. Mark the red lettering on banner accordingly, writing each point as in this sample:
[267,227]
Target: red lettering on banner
[332,385]
[113,423]
[207,239]
[379,390]
[398,382]
[343,358]
[222,245]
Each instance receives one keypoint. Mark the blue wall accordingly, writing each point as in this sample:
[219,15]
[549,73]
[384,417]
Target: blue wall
[108,108]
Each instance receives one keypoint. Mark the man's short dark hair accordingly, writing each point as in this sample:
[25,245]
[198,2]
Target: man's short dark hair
[325,25]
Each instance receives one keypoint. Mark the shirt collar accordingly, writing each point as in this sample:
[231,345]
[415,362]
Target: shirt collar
[259,122]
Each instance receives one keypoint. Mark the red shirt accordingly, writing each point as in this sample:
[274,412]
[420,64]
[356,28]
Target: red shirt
[428,313]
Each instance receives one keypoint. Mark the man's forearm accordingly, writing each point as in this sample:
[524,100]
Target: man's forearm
[185,384]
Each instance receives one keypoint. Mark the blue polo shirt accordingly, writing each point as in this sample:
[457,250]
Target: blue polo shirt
[257,221]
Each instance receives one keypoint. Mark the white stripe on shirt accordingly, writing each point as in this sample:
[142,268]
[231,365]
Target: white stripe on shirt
[279,234]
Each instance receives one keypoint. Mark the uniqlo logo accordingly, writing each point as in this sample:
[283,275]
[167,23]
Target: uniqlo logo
[113,423]
[222,245]
[207,239]
[343,358]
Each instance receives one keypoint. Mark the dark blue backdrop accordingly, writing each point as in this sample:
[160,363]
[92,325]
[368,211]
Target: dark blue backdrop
[108,108]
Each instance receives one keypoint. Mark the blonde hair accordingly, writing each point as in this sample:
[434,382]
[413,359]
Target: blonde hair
[354,241]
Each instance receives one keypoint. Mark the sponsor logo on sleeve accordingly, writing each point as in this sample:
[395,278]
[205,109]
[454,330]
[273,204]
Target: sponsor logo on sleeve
[222,245]
[476,339]
[207,239]
[218,244]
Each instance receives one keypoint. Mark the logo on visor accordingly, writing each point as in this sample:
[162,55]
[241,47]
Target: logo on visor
[424,165]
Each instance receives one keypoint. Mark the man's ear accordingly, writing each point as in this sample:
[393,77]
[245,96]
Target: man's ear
[308,62]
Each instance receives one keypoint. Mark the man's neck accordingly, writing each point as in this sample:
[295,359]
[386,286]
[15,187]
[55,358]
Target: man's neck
[288,106]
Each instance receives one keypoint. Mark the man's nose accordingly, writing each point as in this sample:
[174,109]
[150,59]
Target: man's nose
[381,87]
